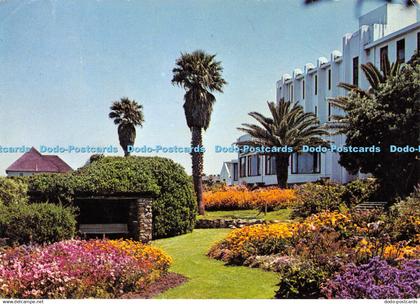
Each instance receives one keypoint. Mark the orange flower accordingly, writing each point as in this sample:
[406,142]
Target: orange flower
[239,197]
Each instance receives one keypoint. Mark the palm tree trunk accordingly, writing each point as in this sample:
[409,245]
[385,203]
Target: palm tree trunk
[282,169]
[197,167]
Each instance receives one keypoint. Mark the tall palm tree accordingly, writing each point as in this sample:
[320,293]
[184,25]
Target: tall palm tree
[375,77]
[288,126]
[127,114]
[200,75]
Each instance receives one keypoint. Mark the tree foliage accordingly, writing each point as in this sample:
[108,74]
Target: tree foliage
[386,114]
[289,125]
[12,190]
[127,114]
[200,75]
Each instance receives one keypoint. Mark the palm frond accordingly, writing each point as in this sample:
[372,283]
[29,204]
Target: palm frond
[200,75]
[288,125]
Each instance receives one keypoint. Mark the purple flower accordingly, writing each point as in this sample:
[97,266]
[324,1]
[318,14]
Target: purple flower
[376,280]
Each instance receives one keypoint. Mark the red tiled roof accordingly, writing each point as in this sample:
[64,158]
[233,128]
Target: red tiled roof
[33,161]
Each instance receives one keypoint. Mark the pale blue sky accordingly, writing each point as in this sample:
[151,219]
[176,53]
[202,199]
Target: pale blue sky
[62,63]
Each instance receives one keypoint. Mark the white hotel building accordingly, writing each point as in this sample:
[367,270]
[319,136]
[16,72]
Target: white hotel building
[392,30]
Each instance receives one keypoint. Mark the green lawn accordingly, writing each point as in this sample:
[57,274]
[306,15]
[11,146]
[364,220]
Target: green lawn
[209,278]
[281,215]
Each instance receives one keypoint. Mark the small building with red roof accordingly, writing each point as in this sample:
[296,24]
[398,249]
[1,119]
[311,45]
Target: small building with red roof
[33,162]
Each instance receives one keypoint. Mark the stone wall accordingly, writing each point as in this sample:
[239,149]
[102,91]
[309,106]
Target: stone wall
[140,220]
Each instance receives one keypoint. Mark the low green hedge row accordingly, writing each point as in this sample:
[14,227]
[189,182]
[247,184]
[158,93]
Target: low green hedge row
[23,223]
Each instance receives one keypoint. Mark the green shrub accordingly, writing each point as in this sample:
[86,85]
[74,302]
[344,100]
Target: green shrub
[315,197]
[54,188]
[38,223]
[404,217]
[12,190]
[359,191]
[300,280]
[174,206]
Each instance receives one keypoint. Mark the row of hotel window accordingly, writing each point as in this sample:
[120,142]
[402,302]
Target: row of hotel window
[400,55]
[383,53]
[291,91]
[301,163]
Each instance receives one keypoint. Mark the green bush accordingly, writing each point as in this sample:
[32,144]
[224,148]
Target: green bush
[359,191]
[300,280]
[174,206]
[54,188]
[403,218]
[12,190]
[38,223]
[315,197]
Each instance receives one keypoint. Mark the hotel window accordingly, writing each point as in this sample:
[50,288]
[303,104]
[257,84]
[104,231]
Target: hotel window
[235,171]
[316,84]
[270,165]
[291,93]
[329,110]
[253,165]
[303,89]
[329,79]
[418,42]
[401,50]
[383,56]
[242,166]
[316,111]
[356,71]
[306,163]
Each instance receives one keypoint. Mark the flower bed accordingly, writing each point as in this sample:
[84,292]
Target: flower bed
[248,241]
[269,239]
[80,269]
[239,197]
[376,280]
[326,244]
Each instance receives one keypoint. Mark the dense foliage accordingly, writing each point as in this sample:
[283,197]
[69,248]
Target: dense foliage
[239,197]
[36,223]
[12,190]
[313,198]
[300,280]
[327,196]
[80,269]
[359,191]
[174,206]
[388,114]
[405,218]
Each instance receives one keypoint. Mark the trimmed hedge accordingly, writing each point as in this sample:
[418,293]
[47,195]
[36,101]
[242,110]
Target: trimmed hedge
[174,206]
[36,223]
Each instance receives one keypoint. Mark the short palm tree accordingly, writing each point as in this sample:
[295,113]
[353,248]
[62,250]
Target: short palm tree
[288,126]
[127,114]
[200,75]
[375,77]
